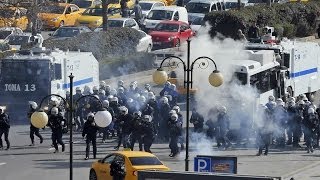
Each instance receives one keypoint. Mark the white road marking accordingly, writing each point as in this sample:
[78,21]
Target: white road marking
[3,163]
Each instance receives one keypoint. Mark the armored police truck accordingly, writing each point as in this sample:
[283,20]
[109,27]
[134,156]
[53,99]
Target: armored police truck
[31,75]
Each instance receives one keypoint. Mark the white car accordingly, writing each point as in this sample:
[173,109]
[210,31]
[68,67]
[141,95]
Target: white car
[197,24]
[15,41]
[145,43]
[120,22]
[147,6]
[5,32]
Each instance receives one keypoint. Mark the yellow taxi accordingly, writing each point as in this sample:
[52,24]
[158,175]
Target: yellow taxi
[54,16]
[84,4]
[14,17]
[92,17]
[134,161]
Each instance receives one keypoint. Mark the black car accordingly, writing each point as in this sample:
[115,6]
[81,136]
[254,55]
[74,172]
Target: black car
[69,31]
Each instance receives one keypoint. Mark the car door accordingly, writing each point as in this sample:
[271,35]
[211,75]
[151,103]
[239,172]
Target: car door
[104,167]
[75,14]
[183,33]
[67,15]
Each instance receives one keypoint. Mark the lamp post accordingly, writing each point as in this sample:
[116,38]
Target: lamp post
[39,118]
[215,79]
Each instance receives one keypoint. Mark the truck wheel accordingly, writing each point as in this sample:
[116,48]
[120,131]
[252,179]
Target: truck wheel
[93,175]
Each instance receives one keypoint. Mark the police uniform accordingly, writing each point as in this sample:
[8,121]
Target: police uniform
[56,123]
[33,130]
[90,131]
[4,128]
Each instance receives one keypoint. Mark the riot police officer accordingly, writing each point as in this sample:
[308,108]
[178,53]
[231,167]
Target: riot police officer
[197,120]
[148,132]
[175,130]
[223,123]
[124,122]
[136,130]
[118,169]
[56,123]
[4,127]
[311,124]
[109,129]
[33,130]
[90,132]
[79,119]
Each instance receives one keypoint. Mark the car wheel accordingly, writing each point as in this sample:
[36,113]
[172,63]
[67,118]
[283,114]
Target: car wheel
[93,175]
[177,43]
[149,48]
[61,23]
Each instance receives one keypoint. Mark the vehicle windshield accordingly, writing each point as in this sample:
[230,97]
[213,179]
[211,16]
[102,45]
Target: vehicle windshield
[198,7]
[6,13]
[241,77]
[160,15]
[115,23]
[66,32]
[198,21]
[167,27]
[144,161]
[53,9]
[257,1]
[4,34]
[18,40]
[231,5]
[82,3]
[145,6]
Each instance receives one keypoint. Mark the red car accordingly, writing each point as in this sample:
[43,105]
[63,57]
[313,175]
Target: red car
[168,34]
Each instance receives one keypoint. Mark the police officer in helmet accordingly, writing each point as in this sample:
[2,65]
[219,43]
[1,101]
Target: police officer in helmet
[90,132]
[56,123]
[4,127]
[118,169]
[33,130]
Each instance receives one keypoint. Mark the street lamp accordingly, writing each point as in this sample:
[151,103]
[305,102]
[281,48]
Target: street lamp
[39,119]
[215,79]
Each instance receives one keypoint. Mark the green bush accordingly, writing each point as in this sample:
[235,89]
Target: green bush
[295,19]
[114,42]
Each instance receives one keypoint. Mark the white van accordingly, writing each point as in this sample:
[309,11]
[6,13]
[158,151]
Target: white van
[199,8]
[171,13]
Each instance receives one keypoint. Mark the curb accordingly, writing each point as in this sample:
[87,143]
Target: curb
[298,171]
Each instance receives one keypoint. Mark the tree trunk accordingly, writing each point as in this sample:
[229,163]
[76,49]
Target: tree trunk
[34,18]
[239,4]
[105,4]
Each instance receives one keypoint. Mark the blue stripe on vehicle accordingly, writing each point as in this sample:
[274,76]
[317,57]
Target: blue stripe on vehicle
[78,83]
[304,72]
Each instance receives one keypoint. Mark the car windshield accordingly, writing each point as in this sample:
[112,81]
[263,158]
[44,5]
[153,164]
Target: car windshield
[145,6]
[6,13]
[18,40]
[4,34]
[53,9]
[93,12]
[115,23]
[66,32]
[198,7]
[198,21]
[144,161]
[160,15]
[82,3]
[167,27]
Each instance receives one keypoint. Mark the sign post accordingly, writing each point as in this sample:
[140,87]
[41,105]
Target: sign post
[216,164]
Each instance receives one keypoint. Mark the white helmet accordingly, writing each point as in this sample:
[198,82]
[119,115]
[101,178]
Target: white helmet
[54,101]
[301,102]
[167,84]
[291,103]
[33,104]
[105,103]
[271,98]
[307,103]
[137,113]
[164,100]
[120,83]
[95,88]
[103,92]
[173,87]
[292,99]
[174,117]
[147,86]
[223,109]
[108,88]
[123,110]
[110,97]
[147,118]
[114,99]
[90,115]
[176,108]
[113,92]
[54,111]
[311,111]
[142,99]
[120,90]
[78,89]
[96,96]
[281,104]
[172,112]
[102,83]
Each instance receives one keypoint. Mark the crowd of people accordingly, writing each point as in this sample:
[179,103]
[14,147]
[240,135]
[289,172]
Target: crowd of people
[139,116]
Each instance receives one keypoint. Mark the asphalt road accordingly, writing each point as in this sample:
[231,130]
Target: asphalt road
[45,34]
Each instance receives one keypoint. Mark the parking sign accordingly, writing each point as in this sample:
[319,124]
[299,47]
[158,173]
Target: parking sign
[202,164]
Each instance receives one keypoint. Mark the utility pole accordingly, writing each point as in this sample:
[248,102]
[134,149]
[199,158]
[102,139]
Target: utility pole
[105,4]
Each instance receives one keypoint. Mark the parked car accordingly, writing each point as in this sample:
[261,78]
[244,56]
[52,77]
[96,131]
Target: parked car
[120,22]
[69,31]
[54,16]
[168,34]
[145,43]
[16,41]
[171,13]
[84,4]
[147,6]
[5,32]
[134,161]
[233,4]
[197,24]
[13,17]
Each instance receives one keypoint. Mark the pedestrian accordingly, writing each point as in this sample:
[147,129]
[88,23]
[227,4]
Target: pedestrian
[148,132]
[124,8]
[197,120]
[56,123]
[33,130]
[90,130]
[4,127]
[175,130]
[138,13]
[118,168]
